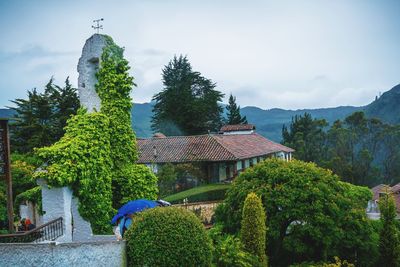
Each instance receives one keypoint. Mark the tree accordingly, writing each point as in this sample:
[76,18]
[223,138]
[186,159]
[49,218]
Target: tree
[389,242]
[312,215]
[40,119]
[188,103]
[306,135]
[233,113]
[352,148]
[253,229]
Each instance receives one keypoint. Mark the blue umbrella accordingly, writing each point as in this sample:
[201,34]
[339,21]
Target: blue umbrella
[132,207]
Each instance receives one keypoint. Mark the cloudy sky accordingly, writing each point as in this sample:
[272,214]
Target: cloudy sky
[286,54]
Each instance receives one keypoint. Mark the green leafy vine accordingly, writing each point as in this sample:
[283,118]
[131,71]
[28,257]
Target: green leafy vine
[96,156]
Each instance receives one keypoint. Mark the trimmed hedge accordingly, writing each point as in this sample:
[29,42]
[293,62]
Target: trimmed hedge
[200,194]
[253,231]
[167,236]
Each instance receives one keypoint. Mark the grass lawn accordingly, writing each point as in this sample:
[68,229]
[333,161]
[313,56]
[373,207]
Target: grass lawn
[202,193]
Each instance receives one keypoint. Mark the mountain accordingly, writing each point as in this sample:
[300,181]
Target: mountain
[6,113]
[386,107]
[269,122]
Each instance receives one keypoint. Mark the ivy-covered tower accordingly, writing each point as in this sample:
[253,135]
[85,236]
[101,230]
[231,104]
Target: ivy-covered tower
[96,158]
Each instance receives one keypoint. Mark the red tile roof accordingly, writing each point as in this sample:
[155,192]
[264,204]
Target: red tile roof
[238,127]
[206,148]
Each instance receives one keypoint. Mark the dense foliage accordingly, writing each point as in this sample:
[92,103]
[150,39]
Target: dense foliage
[233,113]
[188,103]
[42,117]
[228,250]
[311,214]
[167,237]
[360,150]
[81,160]
[389,239]
[306,135]
[129,180]
[253,230]
[33,195]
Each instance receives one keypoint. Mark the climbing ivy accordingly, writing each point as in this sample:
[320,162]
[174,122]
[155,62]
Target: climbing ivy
[130,181]
[96,156]
[33,195]
[81,160]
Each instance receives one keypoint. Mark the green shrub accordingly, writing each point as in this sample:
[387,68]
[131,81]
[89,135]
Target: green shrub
[337,263]
[253,231]
[167,237]
[312,215]
[228,250]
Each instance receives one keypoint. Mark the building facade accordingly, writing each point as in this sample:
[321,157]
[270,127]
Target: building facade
[221,157]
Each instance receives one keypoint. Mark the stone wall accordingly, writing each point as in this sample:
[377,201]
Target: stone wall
[64,254]
[204,210]
[88,65]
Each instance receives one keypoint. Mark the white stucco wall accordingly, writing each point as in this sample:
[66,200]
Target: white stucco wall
[82,231]
[56,202]
[86,254]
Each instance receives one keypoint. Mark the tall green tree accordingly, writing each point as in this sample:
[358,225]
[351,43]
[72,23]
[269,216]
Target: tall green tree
[188,104]
[233,113]
[389,240]
[253,228]
[41,118]
[307,136]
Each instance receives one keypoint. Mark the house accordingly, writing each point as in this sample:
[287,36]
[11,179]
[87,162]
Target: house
[378,191]
[221,156]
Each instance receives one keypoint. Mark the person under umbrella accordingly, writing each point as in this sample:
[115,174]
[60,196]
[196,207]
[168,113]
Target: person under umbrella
[123,218]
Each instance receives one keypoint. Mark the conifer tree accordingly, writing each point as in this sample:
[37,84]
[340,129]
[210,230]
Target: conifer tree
[188,103]
[389,243]
[233,113]
[253,227]
[41,117]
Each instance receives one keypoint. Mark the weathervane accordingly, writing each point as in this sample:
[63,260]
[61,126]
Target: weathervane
[97,26]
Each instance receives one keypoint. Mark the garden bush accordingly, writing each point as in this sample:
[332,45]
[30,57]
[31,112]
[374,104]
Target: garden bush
[228,250]
[167,236]
[253,231]
[311,214]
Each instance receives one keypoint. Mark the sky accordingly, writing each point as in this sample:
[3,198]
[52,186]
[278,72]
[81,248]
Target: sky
[271,54]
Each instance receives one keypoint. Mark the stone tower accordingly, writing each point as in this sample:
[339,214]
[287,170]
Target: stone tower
[88,65]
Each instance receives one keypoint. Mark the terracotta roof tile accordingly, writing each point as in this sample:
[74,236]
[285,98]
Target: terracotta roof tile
[206,148]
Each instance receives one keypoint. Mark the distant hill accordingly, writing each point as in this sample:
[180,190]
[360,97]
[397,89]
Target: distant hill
[6,113]
[269,122]
[386,107]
